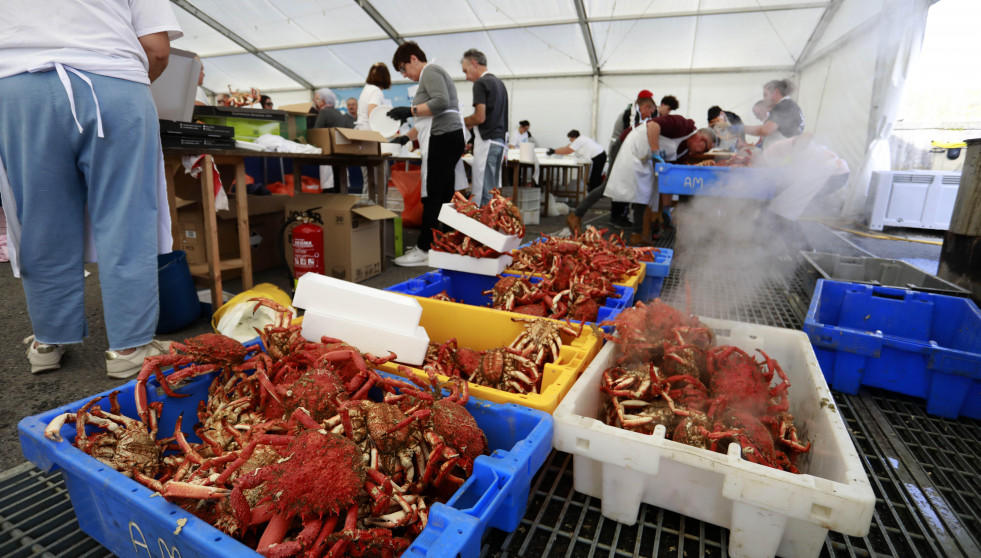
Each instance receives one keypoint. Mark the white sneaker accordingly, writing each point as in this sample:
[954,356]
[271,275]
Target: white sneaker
[125,366]
[414,257]
[43,357]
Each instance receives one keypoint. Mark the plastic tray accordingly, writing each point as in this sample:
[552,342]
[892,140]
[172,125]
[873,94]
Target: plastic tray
[876,271]
[467,288]
[478,231]
[126,517]
[469,264]
[921,344]
[728,182]
[655,273]
[484,328]
[767,511]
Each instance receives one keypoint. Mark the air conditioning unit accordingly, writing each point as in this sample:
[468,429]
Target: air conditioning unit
[912,199]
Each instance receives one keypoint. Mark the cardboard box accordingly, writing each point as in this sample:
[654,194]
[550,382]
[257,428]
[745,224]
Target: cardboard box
[265,224]
[352,235]
[346,141]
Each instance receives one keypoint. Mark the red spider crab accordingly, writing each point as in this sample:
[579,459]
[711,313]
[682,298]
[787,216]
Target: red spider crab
[125,444]
[736,377]
[543,336]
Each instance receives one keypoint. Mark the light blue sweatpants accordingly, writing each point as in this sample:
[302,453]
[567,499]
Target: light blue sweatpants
[55,172]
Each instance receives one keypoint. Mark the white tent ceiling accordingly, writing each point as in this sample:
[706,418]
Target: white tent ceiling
[289,45]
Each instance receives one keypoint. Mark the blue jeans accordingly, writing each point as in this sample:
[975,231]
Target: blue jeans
[492,171]
[56,173]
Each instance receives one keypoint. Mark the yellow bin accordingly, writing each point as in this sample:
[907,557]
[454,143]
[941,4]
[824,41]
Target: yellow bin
[486,328]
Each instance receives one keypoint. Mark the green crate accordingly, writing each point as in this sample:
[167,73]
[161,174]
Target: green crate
[246,129]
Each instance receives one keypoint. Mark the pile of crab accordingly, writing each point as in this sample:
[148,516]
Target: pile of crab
[671,373]
[590,253]
[499,214]
[514,368]
[294,458]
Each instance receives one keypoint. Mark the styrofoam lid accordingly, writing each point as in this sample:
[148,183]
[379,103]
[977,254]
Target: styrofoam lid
[381,123]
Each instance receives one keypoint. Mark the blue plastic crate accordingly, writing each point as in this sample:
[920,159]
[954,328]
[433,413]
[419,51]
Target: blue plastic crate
[468,288]
[920,344]
[650,287]
[729,182]
[126,517]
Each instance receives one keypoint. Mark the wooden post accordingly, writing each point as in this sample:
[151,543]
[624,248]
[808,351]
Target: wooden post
[211,231]
[960,257]
[244,234]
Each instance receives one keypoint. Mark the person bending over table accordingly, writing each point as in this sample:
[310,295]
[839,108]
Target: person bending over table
[586,150]
[632,179]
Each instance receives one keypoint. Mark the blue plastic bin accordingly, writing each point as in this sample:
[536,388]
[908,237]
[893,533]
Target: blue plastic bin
[467,288]
[179,304]
[650,287]
[126,517]
[920,344]
[729,182]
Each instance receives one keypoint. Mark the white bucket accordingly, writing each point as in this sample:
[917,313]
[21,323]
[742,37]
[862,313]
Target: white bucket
[527,152]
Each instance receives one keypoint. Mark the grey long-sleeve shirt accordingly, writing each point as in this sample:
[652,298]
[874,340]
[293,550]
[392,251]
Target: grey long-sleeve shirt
[436,88]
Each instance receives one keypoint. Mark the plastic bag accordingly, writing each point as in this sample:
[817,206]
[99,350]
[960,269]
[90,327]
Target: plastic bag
[409,184]
[236,319]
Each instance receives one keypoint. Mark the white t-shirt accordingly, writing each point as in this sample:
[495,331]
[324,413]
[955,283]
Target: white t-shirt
[370,95]
[98,37]
[517,137]
[201,96]
[586,148]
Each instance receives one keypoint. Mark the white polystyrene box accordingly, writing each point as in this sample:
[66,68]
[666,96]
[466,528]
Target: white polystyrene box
[383,309]
[478,231]
[480,266]
[769,512]
[410,348]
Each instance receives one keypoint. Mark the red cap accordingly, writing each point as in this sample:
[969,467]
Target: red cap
[645,94]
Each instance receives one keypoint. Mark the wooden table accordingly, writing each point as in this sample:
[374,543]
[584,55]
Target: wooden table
[212,270]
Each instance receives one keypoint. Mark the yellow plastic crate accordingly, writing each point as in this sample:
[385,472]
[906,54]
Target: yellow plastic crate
[485,328]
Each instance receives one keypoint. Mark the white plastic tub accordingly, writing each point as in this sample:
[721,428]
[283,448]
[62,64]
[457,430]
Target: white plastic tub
[768,512]
[457,262]
[478,231]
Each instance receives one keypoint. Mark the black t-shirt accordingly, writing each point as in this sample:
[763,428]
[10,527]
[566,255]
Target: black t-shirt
[489,91]
[788,116]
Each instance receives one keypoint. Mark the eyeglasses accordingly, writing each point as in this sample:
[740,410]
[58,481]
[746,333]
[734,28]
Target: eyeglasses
[402,70]
[268,105]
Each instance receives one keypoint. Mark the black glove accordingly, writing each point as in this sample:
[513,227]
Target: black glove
[400,113]
[401,140]
[550,151]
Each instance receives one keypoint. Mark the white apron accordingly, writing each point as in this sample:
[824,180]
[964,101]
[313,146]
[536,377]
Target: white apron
[632,176]
[165,239]
[423,126]
[481,147]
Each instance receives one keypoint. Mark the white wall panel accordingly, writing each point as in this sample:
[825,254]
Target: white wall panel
[552,106]
[661,44]
[243,71]
[850,14]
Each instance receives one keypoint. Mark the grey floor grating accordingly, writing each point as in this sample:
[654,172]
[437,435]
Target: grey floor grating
[924,470]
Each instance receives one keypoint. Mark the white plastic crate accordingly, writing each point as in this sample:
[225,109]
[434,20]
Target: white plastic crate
[528,194]
[531,217]
[912,199]
[478,231]
[768,511]
[480,266]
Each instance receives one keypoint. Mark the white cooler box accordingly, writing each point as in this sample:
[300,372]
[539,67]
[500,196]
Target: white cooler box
[768,511]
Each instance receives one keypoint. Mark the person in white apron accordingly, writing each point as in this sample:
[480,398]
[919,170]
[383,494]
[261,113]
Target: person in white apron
[659,140]
[489,125]
[439,130]
[91,165]
[785,118]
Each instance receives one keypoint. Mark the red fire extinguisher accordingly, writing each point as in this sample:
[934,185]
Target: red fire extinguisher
[308,243]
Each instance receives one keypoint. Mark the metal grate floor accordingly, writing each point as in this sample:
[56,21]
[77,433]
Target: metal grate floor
[37,519]
[924,470]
